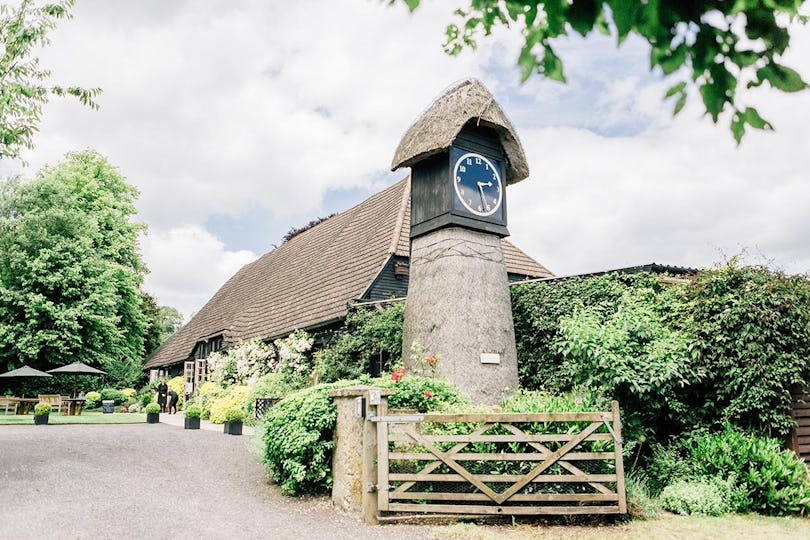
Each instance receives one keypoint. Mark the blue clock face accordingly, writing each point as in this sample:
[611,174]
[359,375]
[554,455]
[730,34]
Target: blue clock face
[478,184]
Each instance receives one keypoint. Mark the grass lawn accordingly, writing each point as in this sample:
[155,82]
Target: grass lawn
[88,417]
[667,526]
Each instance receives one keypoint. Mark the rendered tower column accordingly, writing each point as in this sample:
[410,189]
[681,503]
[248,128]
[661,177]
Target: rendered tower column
[459,307]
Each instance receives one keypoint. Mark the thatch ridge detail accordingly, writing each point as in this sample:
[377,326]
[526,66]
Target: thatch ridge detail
[437,126]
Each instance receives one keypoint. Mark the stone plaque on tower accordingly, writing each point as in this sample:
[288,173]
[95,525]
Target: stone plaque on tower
[463,152]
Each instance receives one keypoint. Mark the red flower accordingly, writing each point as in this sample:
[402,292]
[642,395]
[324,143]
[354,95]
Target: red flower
[432,360]
[397,374]
[428,394]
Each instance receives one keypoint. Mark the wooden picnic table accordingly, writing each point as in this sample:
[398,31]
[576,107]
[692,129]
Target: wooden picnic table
[24,404]
[72,406]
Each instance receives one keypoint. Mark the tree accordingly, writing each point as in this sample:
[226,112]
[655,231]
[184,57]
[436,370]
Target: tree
[712,45]
[23,83]
[161,323]
[70,271]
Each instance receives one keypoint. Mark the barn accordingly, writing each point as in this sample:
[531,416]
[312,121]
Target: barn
[310,281]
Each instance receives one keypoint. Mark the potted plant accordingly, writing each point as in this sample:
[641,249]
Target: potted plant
[233,421]
[193,413]
[41,412]
[152,413]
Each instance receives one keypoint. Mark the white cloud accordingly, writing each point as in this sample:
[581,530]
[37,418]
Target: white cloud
[188,266]
[220,108]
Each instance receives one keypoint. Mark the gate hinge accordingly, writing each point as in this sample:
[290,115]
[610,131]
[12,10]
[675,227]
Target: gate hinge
[610,429]
[372,488]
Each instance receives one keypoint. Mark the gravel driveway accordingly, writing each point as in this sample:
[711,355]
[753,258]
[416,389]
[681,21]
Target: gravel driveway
[153,481]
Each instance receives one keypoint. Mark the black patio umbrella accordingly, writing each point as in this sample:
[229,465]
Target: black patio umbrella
[23,372]
[76,368]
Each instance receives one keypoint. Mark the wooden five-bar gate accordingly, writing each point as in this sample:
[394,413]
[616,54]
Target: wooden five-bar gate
[500,464]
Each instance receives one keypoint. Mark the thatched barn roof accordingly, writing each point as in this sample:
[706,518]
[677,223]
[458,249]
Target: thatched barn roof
[308,281]
[436,128]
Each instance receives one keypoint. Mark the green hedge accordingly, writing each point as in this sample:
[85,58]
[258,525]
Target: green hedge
[299,429]
[726,347]
[365,333]
[752,472]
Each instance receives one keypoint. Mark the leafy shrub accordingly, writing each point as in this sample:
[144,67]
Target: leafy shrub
[699,498]
[422,394]
[640,503]
[92,399]
[243,363]
[751,326]
[193,411]
[41,409]
[207,393]
[365,334]
[667,465]
[299,437]
[294,358]
[234,415]
[539,401]
[274,385]
[129,392]
[112,394]
[634,356]
[209,388]
[152,408]
[537,309]
[776,480]
[234,397]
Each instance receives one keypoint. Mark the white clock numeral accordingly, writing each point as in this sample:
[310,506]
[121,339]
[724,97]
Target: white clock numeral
[469,201]
[488,208]
[458,179]
[494,201]
[494,176]
[498,189]
[469,161]
[479,207]
[486,165]
[462,168]
[478,161]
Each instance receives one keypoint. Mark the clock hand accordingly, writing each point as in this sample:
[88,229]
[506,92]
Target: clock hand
[481,191]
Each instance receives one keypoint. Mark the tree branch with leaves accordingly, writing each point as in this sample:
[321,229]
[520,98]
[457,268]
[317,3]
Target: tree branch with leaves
[714,46]
[24,85]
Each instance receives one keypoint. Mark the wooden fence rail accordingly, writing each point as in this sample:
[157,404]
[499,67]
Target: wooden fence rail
[507,464]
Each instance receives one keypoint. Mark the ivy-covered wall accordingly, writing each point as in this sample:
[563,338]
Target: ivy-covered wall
[725,347]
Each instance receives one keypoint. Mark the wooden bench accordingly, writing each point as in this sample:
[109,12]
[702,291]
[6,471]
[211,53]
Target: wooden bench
[9,403]
[54,400]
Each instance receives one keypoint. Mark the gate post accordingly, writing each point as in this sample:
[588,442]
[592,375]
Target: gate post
[354,459]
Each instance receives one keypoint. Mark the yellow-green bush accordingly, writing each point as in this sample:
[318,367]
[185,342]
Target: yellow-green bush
[128,392]
[207,393]
[235,397]
[209,388]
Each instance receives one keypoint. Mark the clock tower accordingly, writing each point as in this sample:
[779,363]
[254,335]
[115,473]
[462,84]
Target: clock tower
[463,152]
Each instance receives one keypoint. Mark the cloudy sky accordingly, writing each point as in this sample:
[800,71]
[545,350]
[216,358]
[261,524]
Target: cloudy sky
[239,120]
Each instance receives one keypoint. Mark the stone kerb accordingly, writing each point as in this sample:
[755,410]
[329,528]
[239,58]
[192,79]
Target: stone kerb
[354,470]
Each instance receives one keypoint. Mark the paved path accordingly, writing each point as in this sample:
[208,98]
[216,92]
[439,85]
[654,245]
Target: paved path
[153,481]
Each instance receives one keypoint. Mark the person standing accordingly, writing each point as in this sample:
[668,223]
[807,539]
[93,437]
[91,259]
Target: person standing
[162,390]
[173,399]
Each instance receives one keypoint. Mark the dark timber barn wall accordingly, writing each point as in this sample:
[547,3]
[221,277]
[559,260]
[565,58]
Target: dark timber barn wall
[800,410]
